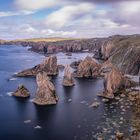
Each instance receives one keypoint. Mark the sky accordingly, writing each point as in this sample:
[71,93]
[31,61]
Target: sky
[68,18]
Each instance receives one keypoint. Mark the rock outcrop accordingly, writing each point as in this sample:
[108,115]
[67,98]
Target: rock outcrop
[46,91]
[68,79]
[88,68]
[22,92]
[113,82]
[49,65]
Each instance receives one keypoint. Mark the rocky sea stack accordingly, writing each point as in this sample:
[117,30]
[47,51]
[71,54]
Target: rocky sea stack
[68,79]
[49,65]
[88,68]
[46,91]
[114,81]
[22,92]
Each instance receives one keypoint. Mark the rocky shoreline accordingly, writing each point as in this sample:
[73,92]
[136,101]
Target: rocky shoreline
[120,55]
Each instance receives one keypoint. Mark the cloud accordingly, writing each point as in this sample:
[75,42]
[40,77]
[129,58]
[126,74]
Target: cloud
[36,4]
[71,18]
[66,15]
[51,32]
[28,31]
[126,13]
[10,13]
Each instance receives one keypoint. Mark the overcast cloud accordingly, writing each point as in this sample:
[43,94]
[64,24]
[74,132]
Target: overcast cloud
[65,18]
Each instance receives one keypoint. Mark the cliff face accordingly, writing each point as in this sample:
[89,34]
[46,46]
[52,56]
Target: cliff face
[123,52]
[67,46]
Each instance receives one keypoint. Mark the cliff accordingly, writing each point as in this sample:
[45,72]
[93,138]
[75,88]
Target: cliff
[123,52]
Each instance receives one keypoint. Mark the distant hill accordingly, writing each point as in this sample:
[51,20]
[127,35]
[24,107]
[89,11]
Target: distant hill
[1,40]
[55,39]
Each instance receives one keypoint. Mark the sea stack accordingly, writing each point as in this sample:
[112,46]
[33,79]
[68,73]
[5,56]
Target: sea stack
[22,92]
[114,81]
[46,91]
[49,65]
[68,79]
[88,68]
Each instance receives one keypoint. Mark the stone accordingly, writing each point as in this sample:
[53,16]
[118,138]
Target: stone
[46,91]
[27,121]
[75,64]
[95,104]
[21,91]
[119,135]
[49,65]
[38,127]
[68,79]
[105,100]
[69,100]
[61,67]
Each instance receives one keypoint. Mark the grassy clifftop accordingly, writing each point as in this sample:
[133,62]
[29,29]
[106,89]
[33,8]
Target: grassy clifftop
[44,39]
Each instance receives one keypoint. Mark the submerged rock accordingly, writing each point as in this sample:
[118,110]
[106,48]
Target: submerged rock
[22,92]
[61,67]
[49,65]
[46,91]
[119,135]
[88,68]
[95,104]
[68,79]
[27,121]
[38,127]
[75,64]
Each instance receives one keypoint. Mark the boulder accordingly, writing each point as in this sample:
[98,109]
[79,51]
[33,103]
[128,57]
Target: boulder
[49,65]
[61,67]
[119,135]
[88,68]
[46,91]
[68,79]
[22,92]
[75,64]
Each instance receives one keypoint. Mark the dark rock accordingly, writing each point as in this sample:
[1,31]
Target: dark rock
[61,67]
[119,135]
[22,92]
[75,64]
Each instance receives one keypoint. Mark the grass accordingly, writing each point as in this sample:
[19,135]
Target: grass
[55,39]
